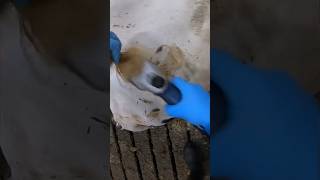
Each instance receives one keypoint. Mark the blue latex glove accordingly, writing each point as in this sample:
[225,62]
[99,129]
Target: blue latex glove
[272,125]
[194,106]
[115,47]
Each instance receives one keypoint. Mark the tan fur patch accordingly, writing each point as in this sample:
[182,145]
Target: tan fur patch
[168,58]
[131,62]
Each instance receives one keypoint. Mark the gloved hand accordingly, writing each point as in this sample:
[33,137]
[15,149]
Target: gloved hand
[194,106]
[115,47]
[272,126]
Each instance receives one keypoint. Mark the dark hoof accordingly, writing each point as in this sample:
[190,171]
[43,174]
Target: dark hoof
[194,159]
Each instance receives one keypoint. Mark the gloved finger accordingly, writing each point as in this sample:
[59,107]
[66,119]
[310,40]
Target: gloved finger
[115,46]
[179,82]
[115,52]
[173,110]
[113,36]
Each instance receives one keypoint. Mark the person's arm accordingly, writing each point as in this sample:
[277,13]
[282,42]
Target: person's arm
[272,125]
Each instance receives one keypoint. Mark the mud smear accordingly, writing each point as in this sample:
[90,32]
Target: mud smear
[154,113]
[167,58]
[131,63]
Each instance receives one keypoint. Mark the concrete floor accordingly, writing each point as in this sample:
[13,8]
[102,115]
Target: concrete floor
[156,154]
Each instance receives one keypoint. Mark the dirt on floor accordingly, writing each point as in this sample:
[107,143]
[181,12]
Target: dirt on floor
[155,154]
